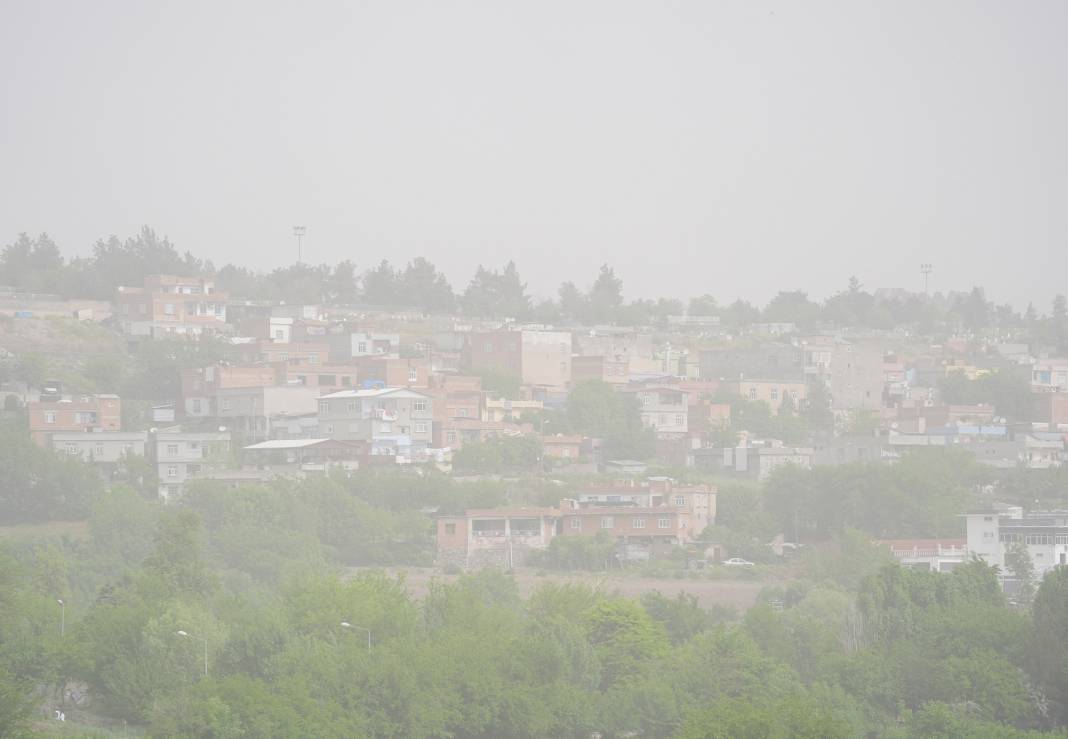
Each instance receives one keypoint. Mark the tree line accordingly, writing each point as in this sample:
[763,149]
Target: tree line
[36,264]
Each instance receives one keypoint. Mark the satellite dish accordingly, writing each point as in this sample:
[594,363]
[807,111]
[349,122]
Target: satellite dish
[153,430]
[222,428]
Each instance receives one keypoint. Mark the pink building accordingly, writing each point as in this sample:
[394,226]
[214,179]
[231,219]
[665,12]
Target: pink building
[495,537]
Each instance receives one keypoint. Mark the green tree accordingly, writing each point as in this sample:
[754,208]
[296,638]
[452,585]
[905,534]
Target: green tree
[1018,562]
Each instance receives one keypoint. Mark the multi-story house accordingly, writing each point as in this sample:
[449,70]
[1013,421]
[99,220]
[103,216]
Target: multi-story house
[256,410]
[1050,374]
[664,408]
[354,344]
[496,537]
[167,304]
[55,413]
[394,421]
[858,377]
[778,361]
[1043,534]
[775,393]
[656,515]
[540,358]
[393,371]
[201,385]
[181,457]
[613,369]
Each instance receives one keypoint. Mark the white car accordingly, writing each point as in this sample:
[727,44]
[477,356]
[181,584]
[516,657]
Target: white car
[738,562]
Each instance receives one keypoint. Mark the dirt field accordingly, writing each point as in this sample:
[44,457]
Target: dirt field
[739,594]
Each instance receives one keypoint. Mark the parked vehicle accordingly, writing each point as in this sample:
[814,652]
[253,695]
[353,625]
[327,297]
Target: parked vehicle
[738,562]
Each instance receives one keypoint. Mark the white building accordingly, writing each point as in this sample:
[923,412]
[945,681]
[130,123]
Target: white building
[394,421]
[990,533]
[184,456]
[105,447]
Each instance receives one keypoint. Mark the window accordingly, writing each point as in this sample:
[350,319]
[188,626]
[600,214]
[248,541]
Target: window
[663,523]
[172,449]
[193,469]
[327,380]
[313,359]
[775,393]
[463,413]
[227,404]
[413,374]
[328,428]
[752,393]
[576,523]
[49,416]
[72,449]
[361,348]
[172,471]
[324,407]
[680,500]
[450,529]
[99,450]
[450,437]
[638,523]
[196,405]
[168,308]
[420,428]
[607,522]
[279,334]
[488,348]
[646,399]
[419,406]
[351,406]
[678,419]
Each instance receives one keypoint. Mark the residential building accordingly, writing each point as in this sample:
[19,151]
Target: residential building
[394,421]
[509,410]
[751,458]
[200,385]
[857,377]
[612,369]
[936,555]
[663,408]
[775,360]
[56,413]
[301,456]
[181,457]
[775,393]
[1043,534]
[103,447]
[497,537]
[541,358]
[654,516]
[167,304]
[393,371]
[354,344]
[315,353]
[563,446]
[1049,407]
[255,410]
[1050,374]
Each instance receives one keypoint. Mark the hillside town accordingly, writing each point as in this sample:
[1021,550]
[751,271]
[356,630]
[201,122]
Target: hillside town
[296,389]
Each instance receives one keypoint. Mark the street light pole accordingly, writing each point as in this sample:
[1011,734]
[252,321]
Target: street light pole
[299,232]
[205,640]
[62,617]
[347,625]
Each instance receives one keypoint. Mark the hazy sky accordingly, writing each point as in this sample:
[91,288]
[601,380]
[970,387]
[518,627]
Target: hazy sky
[732,148]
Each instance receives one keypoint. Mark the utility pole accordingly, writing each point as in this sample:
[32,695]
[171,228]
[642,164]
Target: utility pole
[62,616]
[925,270]
[299,232]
